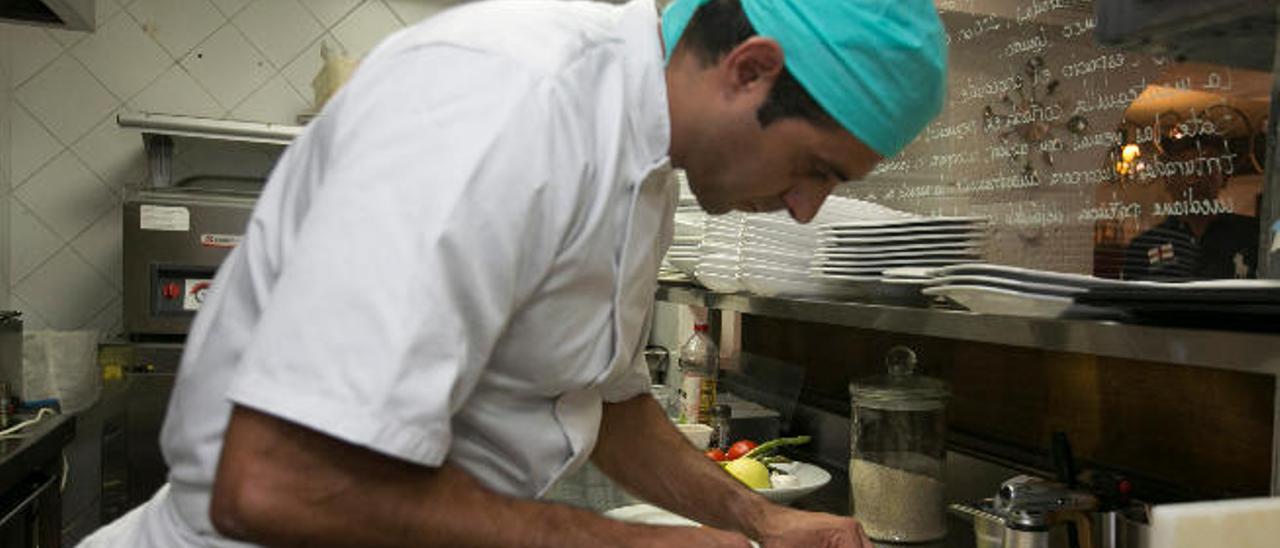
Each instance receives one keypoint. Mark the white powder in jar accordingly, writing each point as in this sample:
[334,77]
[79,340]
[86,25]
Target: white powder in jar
[896,505]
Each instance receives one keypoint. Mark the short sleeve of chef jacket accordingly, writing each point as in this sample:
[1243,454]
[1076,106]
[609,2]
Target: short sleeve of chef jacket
[438,175]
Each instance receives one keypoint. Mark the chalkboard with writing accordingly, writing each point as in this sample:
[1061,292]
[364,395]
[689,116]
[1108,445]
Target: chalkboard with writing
[1086,159]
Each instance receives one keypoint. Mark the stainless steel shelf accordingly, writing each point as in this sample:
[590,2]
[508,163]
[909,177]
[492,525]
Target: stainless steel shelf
[158,131]
[1237,351]
[209,128]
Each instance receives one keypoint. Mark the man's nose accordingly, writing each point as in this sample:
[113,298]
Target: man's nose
[804,201]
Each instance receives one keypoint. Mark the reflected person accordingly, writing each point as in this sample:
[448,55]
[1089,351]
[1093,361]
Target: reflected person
[1200,237]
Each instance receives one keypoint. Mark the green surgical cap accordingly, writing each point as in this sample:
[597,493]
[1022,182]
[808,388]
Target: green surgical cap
[878,67]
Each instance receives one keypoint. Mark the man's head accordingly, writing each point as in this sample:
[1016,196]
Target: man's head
[773,115]
[1200,166]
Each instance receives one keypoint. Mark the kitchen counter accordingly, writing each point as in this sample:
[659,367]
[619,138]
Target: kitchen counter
[30,470]
[834,498]
[589,488]
[39,444]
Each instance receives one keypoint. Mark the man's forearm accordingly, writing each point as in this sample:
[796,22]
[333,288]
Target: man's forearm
[641,450]
[280,484]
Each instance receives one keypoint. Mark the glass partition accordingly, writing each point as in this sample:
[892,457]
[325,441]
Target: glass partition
[1087,159]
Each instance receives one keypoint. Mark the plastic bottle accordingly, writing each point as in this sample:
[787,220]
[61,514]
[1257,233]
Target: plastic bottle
[699,368]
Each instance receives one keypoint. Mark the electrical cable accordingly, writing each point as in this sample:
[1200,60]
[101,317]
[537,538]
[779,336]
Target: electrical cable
[13,430]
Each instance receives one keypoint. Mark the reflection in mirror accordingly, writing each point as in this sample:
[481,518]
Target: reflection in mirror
[1087,159]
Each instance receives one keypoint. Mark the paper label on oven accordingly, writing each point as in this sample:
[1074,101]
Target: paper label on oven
[165,218]
[225,241]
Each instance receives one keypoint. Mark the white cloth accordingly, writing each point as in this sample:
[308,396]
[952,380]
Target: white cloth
[455,262]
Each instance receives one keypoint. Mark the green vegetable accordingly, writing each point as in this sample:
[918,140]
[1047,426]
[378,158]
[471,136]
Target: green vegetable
[773,446]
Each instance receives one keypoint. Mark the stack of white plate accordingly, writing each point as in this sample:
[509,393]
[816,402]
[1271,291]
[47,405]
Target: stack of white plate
[774,251]
[720,253]
[682,256]
[862,250]
[770,254]
[1007,290]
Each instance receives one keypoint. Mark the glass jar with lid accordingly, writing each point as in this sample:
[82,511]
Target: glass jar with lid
[898,453]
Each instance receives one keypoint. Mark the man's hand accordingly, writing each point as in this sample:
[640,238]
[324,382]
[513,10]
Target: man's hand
[692,537]
[282,484]
[679,478]
[788,528]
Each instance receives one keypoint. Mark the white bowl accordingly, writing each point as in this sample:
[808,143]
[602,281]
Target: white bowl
[811,478]
[697,434]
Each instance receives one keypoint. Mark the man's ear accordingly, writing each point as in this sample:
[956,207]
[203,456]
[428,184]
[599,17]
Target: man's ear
[754,65]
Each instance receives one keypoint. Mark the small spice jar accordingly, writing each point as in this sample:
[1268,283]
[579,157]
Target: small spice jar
[721,416]
[898,452]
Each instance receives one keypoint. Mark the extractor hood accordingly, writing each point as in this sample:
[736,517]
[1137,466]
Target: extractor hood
[64,14]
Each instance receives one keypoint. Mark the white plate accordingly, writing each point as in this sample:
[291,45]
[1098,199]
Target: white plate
[683,264]
[991,300]
[1006,283]
[884,264]
[648,514]
[851,278]
[829,248]
[900,231]
[777,257]
[830,240]
[811,478]
[909,221]
[1030,275]
[960,250]
[718,280]
[910,272]
[774,269]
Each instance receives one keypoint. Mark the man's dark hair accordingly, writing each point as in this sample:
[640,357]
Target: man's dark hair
[721,25]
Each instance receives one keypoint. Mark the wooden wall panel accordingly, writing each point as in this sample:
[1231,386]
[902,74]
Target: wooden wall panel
[1203,430]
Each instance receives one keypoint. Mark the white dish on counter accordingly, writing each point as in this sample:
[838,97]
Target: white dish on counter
[992,300]
[1007,283]
[648,514]
[810,478]
[1031,275]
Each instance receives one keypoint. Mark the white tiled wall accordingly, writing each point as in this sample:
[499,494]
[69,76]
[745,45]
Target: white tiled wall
[4,170]
[71,165]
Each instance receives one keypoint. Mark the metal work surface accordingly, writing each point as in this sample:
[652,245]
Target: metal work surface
[40,443]
[1238,351]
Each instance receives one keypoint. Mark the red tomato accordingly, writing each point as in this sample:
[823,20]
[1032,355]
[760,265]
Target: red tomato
[740,448]
[716,454]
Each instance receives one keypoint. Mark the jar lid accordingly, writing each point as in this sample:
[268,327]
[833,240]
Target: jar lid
[901,387]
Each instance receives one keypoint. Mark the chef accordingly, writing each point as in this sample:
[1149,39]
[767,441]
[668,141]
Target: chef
[441,300]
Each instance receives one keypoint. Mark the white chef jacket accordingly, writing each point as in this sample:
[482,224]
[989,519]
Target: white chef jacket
[454,263]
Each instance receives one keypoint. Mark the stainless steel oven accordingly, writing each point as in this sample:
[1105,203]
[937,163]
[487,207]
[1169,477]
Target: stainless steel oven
[174,241]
